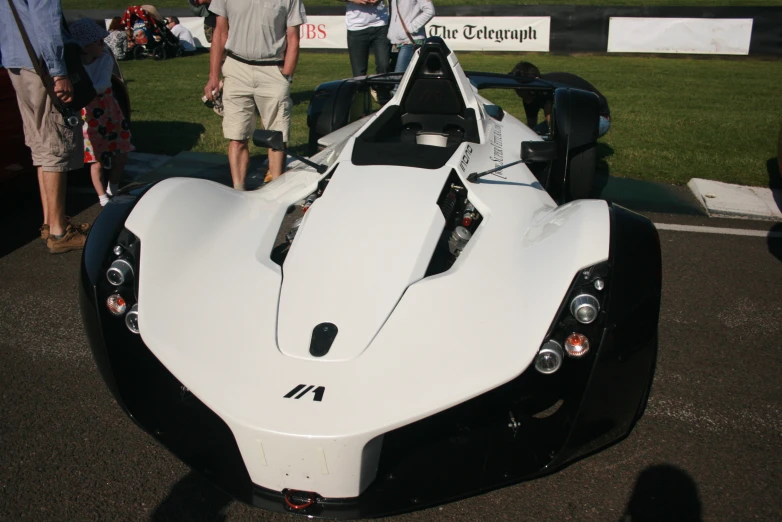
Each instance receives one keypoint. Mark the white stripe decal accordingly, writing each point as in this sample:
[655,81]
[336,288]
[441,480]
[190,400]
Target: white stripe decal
[717,230]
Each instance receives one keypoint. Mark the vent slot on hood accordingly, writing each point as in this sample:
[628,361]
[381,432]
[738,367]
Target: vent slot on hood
[461,222]
[292,221]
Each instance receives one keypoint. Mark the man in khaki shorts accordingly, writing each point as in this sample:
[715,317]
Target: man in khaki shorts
[260,43]
[56,148]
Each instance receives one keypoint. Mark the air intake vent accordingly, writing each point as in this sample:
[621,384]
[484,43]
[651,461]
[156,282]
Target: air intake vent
[323,337]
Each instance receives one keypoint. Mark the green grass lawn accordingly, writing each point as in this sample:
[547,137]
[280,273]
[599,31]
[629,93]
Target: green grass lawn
[121,5]
[672,119]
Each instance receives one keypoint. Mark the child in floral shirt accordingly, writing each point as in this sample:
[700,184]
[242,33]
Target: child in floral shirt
[106,130]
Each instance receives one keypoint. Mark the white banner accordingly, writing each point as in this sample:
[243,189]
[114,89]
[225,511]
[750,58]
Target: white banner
[492,33]
[195,24]
[324,32]
[461,33]
[679,35]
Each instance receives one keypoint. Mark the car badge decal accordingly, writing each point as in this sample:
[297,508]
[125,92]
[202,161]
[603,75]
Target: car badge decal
[304,389]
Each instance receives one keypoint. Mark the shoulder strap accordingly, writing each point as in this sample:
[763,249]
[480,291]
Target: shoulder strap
[33,57]
[40,68]
[404,26]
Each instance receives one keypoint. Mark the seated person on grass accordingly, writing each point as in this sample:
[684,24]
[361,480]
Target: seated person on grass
[186,41]
[533,104]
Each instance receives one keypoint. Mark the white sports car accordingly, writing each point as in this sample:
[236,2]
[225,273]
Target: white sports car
[445,317]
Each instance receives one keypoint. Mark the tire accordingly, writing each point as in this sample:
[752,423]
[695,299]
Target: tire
[581,172]
[159,53]
[139,53]
[645,398]
[779,151]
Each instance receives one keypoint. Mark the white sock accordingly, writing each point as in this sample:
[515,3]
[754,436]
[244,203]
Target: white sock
[104,199]
[112,188]
[238,186]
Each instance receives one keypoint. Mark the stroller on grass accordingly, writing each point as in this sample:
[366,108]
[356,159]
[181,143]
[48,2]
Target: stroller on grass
[148,35]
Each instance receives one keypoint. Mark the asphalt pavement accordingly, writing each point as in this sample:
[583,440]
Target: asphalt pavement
[708,448]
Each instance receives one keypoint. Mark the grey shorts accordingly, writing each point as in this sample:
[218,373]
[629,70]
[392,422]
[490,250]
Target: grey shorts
[55,147]
[247,87]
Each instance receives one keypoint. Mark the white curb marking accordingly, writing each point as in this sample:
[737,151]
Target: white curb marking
[718,230]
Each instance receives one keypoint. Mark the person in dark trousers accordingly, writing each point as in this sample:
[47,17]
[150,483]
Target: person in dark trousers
[533,104]
[367,24]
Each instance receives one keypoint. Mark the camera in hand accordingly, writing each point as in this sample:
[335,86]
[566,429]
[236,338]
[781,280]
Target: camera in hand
[72,117]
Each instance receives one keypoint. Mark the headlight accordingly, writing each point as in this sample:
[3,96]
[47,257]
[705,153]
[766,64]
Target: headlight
[131,319]
[549,358]
[584,308]
[120,272]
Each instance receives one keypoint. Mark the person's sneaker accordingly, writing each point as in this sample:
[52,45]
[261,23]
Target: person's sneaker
[44,232]
[73,239]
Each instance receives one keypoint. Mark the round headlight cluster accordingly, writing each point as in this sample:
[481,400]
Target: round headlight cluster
[122,302]
[584,308]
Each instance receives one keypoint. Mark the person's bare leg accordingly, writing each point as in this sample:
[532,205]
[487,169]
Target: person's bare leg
[54,190]
[238,159]
[276,162]
[42,189]
[96,171]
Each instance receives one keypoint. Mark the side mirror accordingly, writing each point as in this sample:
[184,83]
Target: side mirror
[273,140]
[538,151]
[269,139]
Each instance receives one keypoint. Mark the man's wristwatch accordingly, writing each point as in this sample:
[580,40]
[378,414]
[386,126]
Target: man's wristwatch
[289,77]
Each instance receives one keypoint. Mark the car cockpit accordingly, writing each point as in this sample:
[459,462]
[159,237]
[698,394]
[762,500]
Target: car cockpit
[429,123]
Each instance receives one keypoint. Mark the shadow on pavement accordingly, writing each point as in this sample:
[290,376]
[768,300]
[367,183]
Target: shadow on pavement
[20,205]
[775,183]
[775,243]
[194,499]
[165,137]
[664,492]
[639,195]
[602,171]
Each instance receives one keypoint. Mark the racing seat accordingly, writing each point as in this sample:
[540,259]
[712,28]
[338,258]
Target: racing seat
[433,104]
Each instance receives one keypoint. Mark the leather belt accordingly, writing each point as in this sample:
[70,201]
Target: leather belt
[278,63]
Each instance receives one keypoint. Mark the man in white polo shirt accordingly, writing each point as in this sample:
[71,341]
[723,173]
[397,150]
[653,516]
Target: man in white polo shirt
[260,44]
